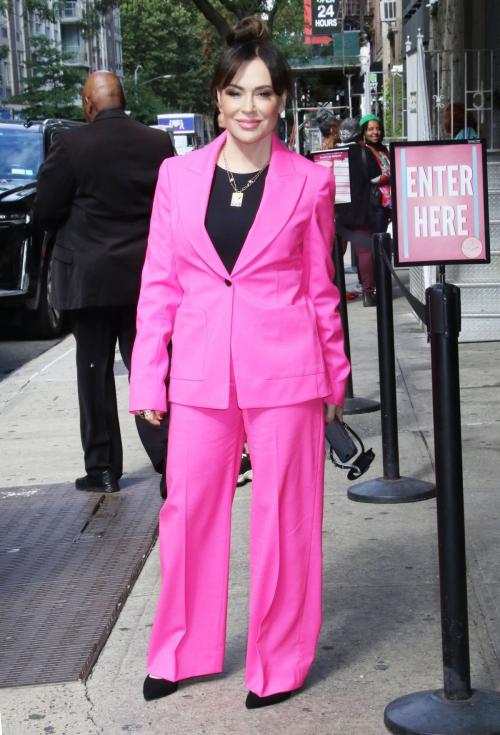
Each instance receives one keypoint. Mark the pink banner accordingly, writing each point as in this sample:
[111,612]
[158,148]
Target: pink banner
[337,159]
[440,195]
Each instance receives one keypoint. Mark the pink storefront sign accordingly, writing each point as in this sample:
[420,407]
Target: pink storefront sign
[337,160]
[440,202]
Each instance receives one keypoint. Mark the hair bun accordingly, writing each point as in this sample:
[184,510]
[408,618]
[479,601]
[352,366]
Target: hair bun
[248,30]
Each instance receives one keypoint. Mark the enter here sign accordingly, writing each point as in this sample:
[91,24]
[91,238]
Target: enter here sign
[439,194]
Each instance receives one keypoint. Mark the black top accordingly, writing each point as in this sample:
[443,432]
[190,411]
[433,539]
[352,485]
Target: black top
[96,192]
[229,226]
[359,213]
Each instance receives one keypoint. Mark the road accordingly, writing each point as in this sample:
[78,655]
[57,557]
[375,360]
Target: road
[16,350]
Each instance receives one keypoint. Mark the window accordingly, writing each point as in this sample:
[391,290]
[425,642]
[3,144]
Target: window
[69,10]
[4,32]
[388,10]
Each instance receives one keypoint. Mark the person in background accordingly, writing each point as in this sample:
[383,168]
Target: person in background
[358,216]
[462,129]
[95,192]
[329,126]
[373,133]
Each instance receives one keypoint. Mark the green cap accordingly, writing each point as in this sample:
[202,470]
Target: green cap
[367,118]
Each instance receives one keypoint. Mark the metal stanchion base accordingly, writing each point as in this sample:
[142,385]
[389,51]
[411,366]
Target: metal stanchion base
[404,490]
[429,713]
[360,405]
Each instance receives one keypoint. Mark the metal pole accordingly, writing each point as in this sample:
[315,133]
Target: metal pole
[457,708]
[296,115]
[352,405]
[339,281]
[387,360]
[391,488]
[443,307]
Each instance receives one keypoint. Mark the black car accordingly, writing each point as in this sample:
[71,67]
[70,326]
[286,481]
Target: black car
[25,249]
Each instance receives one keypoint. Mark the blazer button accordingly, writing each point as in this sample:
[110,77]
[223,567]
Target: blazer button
[227,282]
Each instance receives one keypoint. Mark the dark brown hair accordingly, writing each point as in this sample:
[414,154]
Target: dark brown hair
[250,39]
[458,118]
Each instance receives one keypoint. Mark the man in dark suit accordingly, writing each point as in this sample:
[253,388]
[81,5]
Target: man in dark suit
[96,192]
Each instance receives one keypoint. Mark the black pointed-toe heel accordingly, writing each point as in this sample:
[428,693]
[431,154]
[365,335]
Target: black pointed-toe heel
[158,688]
[254,701]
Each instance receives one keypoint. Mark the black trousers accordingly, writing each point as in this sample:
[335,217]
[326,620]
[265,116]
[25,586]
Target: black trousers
[97,331]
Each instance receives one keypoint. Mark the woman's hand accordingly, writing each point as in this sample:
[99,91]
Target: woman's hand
[152,417]
[331,410]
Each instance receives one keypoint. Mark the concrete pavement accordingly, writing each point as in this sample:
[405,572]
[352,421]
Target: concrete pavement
[381,631]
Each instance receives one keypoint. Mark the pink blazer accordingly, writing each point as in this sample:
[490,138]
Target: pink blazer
[276,313]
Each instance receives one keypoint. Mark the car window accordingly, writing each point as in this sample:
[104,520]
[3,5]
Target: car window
[21,153]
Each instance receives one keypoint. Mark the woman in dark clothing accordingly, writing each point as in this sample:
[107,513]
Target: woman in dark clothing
[358,216]
[373,133]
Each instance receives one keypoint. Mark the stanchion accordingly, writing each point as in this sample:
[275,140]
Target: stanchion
[353,268]
[391,488]
[456,709]
[352,405]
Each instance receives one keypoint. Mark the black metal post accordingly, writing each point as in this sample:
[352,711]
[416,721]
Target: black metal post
[387,362]
[391,488]
[456,708]
[352,405]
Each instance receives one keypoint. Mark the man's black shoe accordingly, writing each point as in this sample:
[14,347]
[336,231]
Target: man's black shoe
[105,482]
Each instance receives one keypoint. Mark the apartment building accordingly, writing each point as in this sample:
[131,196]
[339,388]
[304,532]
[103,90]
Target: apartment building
[99,49]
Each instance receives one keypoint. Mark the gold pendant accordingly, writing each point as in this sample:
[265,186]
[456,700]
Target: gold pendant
[237,199]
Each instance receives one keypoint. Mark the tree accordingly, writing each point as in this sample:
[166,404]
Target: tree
[217,12]
[142,103]
[167,37]
[54,87]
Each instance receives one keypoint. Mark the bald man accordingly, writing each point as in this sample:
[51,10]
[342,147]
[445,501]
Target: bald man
[95,192]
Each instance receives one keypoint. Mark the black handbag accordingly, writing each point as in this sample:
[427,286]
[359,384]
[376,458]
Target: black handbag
[375,193]
[343,449]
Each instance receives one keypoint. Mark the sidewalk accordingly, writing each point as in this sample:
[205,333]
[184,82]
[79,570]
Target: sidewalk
[381,631]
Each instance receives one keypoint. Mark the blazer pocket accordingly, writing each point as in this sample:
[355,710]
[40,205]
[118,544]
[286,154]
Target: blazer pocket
[65,255]
[291,343]
[189,343]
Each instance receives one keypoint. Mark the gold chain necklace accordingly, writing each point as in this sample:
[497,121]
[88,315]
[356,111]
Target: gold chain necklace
[237,196]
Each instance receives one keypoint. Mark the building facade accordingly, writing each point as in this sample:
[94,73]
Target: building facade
[99,46]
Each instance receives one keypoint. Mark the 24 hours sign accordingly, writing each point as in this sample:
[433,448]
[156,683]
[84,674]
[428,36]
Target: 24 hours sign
[325,20]
[440,202]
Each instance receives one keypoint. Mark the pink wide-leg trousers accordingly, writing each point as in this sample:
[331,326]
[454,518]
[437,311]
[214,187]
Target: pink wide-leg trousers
[204,455]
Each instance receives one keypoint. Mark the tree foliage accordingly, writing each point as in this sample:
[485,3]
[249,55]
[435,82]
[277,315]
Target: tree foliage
[221,13]
[54,87]
[167,37]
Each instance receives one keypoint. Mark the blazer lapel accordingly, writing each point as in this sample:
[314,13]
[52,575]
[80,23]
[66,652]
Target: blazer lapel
[193,196]
[282,190]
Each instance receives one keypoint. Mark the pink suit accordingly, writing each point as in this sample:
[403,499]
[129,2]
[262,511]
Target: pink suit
[254,352]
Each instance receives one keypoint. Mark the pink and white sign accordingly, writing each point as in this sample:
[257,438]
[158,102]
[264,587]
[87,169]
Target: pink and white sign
[337,159]
[439,194]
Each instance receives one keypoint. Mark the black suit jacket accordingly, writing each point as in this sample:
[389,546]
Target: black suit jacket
[359,213]
[96,192]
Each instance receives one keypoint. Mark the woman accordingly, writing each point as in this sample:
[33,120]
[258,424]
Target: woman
[373,134]
[239,274]
[329,126]
[358,216]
